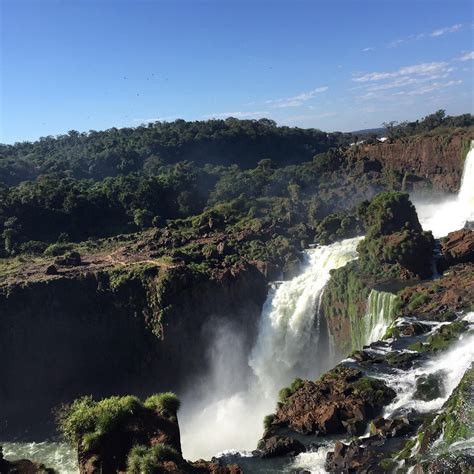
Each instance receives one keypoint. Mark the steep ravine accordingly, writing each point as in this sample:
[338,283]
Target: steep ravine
[63,338]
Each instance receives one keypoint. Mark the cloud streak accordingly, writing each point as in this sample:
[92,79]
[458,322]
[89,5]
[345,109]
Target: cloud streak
[297,100]
[239,114]
[433,34]
[446,30]
[414,70]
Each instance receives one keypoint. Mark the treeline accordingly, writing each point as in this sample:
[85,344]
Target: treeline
[51,208]
[97,155]
[431,122]
[88,186]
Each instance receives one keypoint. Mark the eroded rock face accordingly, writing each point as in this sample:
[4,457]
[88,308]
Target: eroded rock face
[343,400]
[457,247]
[100,339]
[423,160]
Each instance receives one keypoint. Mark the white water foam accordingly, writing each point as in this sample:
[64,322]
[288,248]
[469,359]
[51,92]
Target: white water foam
[284,349]
[453,212]
[453,363]
[58,456]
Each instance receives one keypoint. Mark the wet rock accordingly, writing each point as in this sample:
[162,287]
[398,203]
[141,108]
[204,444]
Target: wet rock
[390,428]
[430,387]
[211,467]
[22,466]
[414,328]
[342,400]
[351,458]
[401,360]
[276,446]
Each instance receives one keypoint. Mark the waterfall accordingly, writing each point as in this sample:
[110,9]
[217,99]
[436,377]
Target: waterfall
[452,213]
[287,346]
[376,320]
[286,342]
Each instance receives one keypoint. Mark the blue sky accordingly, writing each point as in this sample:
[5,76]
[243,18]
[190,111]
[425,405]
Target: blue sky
[334,65]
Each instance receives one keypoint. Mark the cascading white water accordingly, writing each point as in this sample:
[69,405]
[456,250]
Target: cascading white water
[376,320]
[284,349]
[285,344]
[452,213]
[452,363]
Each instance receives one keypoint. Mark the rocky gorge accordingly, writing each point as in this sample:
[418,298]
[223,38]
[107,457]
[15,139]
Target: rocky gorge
[143,324]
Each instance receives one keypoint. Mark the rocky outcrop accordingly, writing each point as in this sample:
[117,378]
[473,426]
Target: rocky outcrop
[342,401]
[419,162]
[136,328]
[275,446]
[395,245]
[23,466]
[442,298]
[119,434]
[457,247]
[395,253]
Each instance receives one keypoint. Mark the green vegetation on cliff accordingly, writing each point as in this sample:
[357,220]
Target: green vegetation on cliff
[395,243]
[86,422]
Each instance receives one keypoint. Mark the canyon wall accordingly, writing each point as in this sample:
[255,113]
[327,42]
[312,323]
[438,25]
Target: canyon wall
[434,162]
[103,333]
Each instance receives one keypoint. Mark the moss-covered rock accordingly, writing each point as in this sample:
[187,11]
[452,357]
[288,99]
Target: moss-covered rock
[442,338]
[342,400]
[395,244]
[105,431]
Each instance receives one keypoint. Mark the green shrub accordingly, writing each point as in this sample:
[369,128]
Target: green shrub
[54,250]
[33,247]
[284,394]
[167,403]
[417,301]
[85,420]
[146,460]
[268,420]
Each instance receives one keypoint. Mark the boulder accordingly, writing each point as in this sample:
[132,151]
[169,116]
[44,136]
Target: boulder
[51,270]
[351,458]
[390,428]
[341,401]
[457,247]
[276,446]
[429,387]
[22,466]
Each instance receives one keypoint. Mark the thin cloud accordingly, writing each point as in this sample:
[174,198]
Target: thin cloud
[435,86]
[433,34]
[239,114]
[155,119]
[446,30]
[415,70]
[370,48]
[396,43]
[297,100]
[467,56]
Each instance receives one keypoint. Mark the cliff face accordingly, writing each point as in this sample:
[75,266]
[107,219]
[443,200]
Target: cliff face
[103,334]
[434,161]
